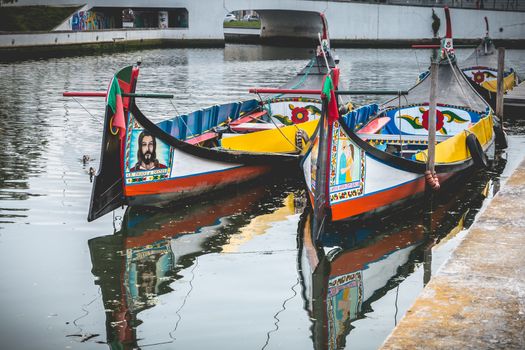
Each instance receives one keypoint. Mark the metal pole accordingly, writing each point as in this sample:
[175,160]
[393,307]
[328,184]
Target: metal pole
[500,87]
[432,117]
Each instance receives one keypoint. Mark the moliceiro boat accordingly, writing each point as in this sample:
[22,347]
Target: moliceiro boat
[354,265]
[481,68]
[155,164]
[375,158]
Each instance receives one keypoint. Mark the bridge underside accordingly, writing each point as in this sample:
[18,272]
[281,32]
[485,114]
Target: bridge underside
[289,25]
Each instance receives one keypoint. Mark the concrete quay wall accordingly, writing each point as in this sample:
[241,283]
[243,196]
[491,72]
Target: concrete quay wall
[100,37]
[477,299]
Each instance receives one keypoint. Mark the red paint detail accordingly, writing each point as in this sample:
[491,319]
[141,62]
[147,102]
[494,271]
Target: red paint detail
[374,126]
[84,94]
[328,164]
[285,91]
[449,23]
[479,77]
[335,77]
[198,183]
[439,119]
[333,112]
[248,118]
[299,115]
[126,88]
[130,87]
[118,118]
[203,137]
[361,205]
[325,26]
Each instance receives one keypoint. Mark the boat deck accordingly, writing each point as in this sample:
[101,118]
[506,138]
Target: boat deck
[476,300]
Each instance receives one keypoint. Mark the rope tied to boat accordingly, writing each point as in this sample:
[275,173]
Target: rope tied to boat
[432,180]
[269,113]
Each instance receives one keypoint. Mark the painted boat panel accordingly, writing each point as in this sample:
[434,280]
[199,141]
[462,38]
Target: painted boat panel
[487,78]
[184,187]
[280,140]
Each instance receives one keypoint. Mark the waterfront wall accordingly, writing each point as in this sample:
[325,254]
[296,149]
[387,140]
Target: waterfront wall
[114,36]
[349,23]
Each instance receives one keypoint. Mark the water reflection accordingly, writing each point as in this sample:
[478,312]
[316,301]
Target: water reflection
[139,263]
[264,52]
[353,266]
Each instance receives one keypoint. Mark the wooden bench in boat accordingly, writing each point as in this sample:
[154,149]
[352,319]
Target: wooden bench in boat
[245,124]
[236,124]
[203,137]
[374,125]
[247,118]
[249,127]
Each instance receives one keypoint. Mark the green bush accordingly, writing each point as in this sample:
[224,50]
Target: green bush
[33,18]
[243,24]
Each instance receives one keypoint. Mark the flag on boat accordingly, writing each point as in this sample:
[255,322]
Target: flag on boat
[114,102]
[328,91]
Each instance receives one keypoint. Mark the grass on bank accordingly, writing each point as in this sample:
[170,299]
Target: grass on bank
[33,18]
[243,24]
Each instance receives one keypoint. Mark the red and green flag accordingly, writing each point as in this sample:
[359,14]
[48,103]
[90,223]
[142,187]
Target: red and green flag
[329,92]
[114,102]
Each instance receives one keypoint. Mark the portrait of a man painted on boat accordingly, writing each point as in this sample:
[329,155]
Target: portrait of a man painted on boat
[147,158]
[146,153]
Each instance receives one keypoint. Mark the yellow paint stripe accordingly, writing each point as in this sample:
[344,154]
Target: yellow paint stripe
[455,148]
[509,82]
[271,141]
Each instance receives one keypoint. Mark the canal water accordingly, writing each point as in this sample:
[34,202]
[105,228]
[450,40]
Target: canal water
[233,271]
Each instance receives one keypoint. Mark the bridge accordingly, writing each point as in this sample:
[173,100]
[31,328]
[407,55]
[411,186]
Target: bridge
[191,23]
[365,22]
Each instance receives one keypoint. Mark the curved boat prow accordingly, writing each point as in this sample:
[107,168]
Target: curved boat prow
[107,190]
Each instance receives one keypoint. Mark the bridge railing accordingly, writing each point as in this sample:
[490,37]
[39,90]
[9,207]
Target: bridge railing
[501,5]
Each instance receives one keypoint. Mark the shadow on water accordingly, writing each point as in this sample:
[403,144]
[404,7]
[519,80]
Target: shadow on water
[353,266]
[140,262]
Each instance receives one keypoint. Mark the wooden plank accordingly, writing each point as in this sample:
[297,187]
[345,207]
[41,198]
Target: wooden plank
[249,127]
[374,126]
[201,138]
[248,118]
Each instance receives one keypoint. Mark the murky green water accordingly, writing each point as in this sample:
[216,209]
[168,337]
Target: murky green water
[228,273]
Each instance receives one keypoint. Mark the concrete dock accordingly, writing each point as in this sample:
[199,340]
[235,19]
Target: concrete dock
[514,102]
[477,299]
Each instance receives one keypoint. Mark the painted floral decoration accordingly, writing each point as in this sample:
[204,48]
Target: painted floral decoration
[416,123]
[439,119]
[479,77]
[299,115]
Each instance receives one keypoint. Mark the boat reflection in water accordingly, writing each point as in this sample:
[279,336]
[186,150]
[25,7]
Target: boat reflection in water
[351,266]
[139,263]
